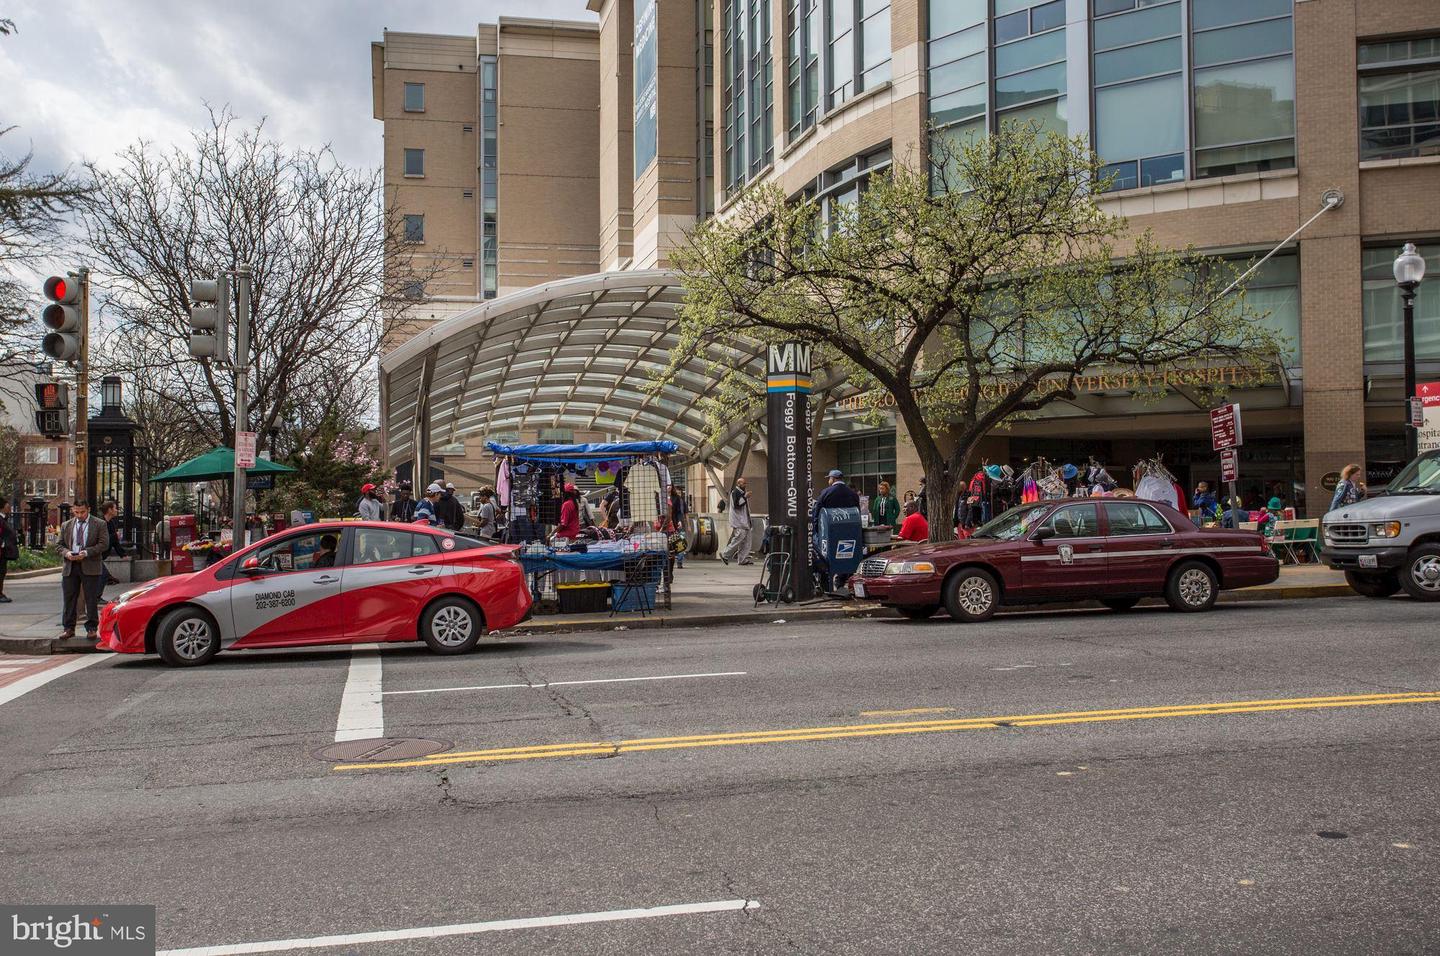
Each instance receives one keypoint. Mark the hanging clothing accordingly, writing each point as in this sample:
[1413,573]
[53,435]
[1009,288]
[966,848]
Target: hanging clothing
[1155,488]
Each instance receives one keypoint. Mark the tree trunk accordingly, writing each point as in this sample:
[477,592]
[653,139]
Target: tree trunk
[941,487]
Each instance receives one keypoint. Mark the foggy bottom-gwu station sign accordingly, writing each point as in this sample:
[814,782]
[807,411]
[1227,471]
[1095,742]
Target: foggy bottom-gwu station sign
[1123,380]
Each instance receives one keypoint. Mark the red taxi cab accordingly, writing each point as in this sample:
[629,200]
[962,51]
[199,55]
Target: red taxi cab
[332,583]
[1115,550]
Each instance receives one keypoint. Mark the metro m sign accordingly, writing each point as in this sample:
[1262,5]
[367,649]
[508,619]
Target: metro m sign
[789,357]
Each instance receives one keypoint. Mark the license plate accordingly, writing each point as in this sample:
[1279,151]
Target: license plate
[859,589]
[1369,561]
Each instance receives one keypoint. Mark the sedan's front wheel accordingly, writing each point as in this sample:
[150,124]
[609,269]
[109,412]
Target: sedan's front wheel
[1192,587]
[187,637]
[971,595]
[452,625]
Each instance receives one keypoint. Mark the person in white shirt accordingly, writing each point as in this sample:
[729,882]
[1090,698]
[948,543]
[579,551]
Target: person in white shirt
[738,550]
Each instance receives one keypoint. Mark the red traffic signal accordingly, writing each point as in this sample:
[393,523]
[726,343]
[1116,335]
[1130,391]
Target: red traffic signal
[62,317]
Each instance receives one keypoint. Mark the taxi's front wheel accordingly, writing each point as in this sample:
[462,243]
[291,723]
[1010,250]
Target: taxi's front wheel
[1192,587]
[187,637]
[971,595]
[452,625]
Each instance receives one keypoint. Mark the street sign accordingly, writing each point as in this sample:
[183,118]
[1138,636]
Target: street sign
[1428,394]
[245,449]
[1417,411]
[259,482]
[1225,427]
[1229,464]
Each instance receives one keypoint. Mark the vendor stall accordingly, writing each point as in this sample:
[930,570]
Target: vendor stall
[622,558]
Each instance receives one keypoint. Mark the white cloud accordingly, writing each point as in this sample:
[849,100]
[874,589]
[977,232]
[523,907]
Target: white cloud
[84,83]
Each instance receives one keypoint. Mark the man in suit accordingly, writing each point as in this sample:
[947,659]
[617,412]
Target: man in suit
[9,543]
[82,546]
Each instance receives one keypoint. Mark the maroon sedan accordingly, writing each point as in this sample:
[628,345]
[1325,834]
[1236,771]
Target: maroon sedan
[1115,550]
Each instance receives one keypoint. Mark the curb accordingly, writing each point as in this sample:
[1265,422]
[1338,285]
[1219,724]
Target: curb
[35,573]
[40,646]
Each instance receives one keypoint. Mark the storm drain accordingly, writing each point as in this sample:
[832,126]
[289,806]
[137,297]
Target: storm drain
[381,748]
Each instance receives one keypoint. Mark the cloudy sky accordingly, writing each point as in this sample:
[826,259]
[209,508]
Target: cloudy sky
[84,78]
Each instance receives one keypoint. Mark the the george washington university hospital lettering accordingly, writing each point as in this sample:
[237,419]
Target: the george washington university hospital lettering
[787,419]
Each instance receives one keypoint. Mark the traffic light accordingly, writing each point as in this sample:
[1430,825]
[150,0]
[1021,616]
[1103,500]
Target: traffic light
[53,417]
[62,317]
[210,318]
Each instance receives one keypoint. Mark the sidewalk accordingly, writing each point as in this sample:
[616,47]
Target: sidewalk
[707,593]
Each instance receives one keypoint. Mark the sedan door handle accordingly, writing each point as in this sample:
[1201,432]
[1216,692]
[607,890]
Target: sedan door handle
[326,579]
[1168,543]
[1097,547]
[422,570]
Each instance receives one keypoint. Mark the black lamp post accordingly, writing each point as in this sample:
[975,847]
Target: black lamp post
[1409,270]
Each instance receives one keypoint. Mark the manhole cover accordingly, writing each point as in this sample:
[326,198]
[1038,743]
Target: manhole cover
[382,748]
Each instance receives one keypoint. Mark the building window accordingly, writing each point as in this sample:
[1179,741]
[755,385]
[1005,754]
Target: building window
[842,185]
[959,70]
[1400,98]
[1274,291]
[748,89]
[42,454]
[1381,306]
[40,487]
[1243,83]
[489,177]
[866,461]
[1029,63]
[414,97]
[415,291]
[414,227]
[414,162]
[802,64]
[1139,102]
[647,87]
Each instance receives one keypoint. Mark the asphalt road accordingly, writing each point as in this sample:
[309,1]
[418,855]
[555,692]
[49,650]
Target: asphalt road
[905,826]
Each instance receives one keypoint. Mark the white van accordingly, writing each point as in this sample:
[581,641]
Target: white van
[1391,541]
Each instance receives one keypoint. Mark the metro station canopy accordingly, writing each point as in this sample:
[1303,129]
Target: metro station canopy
[578,353]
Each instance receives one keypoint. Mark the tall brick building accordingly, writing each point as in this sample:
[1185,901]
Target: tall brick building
[598,144]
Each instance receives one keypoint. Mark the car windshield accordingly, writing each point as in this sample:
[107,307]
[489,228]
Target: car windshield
[1420,477]
[1013,523]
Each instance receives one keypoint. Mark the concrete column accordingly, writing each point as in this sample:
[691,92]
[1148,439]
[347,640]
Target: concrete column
[617,146]
[665,199]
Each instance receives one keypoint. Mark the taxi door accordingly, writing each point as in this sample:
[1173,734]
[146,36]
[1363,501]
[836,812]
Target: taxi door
[390,576]
[292,596]
[1065,556]
[1140,544]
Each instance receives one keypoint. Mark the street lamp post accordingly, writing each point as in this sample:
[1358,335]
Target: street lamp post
[1409,270]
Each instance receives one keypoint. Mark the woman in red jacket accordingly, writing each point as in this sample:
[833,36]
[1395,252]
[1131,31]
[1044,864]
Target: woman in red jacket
[569,526]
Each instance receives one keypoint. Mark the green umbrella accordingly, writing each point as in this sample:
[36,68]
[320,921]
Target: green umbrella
[218,464]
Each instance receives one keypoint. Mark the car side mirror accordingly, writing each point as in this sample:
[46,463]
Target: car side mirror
[1042,534]
[250,565]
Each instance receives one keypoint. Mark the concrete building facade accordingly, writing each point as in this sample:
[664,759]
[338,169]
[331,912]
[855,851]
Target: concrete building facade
[1225,123]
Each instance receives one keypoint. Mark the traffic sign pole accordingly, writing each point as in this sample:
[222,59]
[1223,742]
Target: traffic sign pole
[82,387]
[242,409]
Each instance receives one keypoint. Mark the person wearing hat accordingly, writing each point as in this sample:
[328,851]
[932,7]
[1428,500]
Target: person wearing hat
[837,494]
[569,526]
[884,508]
[425,507]
[449,509]
[403,508]
[370,507]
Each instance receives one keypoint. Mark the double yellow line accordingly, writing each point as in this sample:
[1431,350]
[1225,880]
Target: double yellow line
[845,732]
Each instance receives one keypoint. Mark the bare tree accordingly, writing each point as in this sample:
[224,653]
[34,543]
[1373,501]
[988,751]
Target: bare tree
[316,233]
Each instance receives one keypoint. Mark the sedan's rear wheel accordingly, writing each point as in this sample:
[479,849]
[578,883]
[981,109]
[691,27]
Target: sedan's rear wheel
[971,595]
[187,637]
[452,625]
[918,612]
[1380,585]
[1421,572]
[1192,587]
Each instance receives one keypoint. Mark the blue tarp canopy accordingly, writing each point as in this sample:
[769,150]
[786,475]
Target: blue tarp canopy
[587,454]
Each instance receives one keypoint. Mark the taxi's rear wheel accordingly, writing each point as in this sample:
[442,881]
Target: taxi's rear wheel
[971,595]
[187,637]
[452,625]
[1192,587]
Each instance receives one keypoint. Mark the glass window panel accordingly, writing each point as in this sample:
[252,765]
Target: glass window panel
[1034,85]
[1162,169]
[1003,7]
[1147,59]
[1243,43]
[959,105]
[954,76]
[875,40]
[1279,307]
[1140,119]
[1245,101]
[958,45]
[1047,17]
[874,77]
[1149,24]
[1381,306]
[958,135]
[415,97]
[1400,51]
[1050,116]
[869,8]
[414,228]
[1075,521]
[1400,114]
[414,162]
[1125,175]
[1014,57]
[952,15]
[1218,13]
[1249,158]
[1013,27]
[1103,7]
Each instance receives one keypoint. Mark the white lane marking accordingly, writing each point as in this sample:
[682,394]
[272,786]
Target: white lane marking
[558,683]
[362,711]
[25,685]
[9,670]
[462,929]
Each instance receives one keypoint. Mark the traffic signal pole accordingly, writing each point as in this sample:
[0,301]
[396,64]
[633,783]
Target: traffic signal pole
[82,399]
[242,396]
